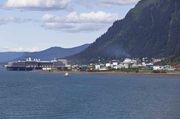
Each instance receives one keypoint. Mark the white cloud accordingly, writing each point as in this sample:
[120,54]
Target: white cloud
[87,3]
[19,49]
[37,4]
[119,2]
[74,22]
[4,20]
[10,19]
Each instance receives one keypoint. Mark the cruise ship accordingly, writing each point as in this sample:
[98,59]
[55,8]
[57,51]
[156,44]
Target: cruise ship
[18,66]
[29,65]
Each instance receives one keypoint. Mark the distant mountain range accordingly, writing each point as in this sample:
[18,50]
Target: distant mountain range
[7,56]
[48,54]
[151,29]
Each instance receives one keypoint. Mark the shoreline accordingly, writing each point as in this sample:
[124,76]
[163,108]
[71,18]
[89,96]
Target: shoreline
[116,73]
[175,73]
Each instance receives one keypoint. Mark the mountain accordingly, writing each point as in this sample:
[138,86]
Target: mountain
[55,52]
[150,29]
[8,56]
[48,54]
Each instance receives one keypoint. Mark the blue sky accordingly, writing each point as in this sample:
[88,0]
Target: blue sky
[33,25]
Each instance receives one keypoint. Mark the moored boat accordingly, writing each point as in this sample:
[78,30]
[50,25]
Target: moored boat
[66,74]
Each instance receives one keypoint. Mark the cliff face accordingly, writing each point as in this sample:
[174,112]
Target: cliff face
[151,29]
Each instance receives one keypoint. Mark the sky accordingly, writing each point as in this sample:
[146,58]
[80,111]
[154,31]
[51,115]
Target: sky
[34,25]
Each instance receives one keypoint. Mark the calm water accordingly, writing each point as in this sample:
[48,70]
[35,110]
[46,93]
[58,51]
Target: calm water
[35,95]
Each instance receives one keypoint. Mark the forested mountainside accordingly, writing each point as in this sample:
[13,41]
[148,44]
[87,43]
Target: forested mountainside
[150,29]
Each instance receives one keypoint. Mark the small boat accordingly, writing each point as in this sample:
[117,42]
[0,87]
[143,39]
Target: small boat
[66,74]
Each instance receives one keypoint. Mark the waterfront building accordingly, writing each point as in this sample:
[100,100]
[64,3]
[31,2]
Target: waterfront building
[158,68]
[177,68]
[108,65]
[101,67]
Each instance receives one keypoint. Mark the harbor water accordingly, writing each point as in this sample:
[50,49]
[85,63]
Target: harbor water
[40,95]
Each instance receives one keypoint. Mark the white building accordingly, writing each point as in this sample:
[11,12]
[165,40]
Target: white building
[165,68]
[108,65]
[129,63]
[121,65]
[46,69]
[97,67]
[157,60]
[114,63]
[157,68]
[100,67]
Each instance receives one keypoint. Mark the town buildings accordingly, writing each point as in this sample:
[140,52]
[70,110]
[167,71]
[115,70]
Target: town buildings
[127,64]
